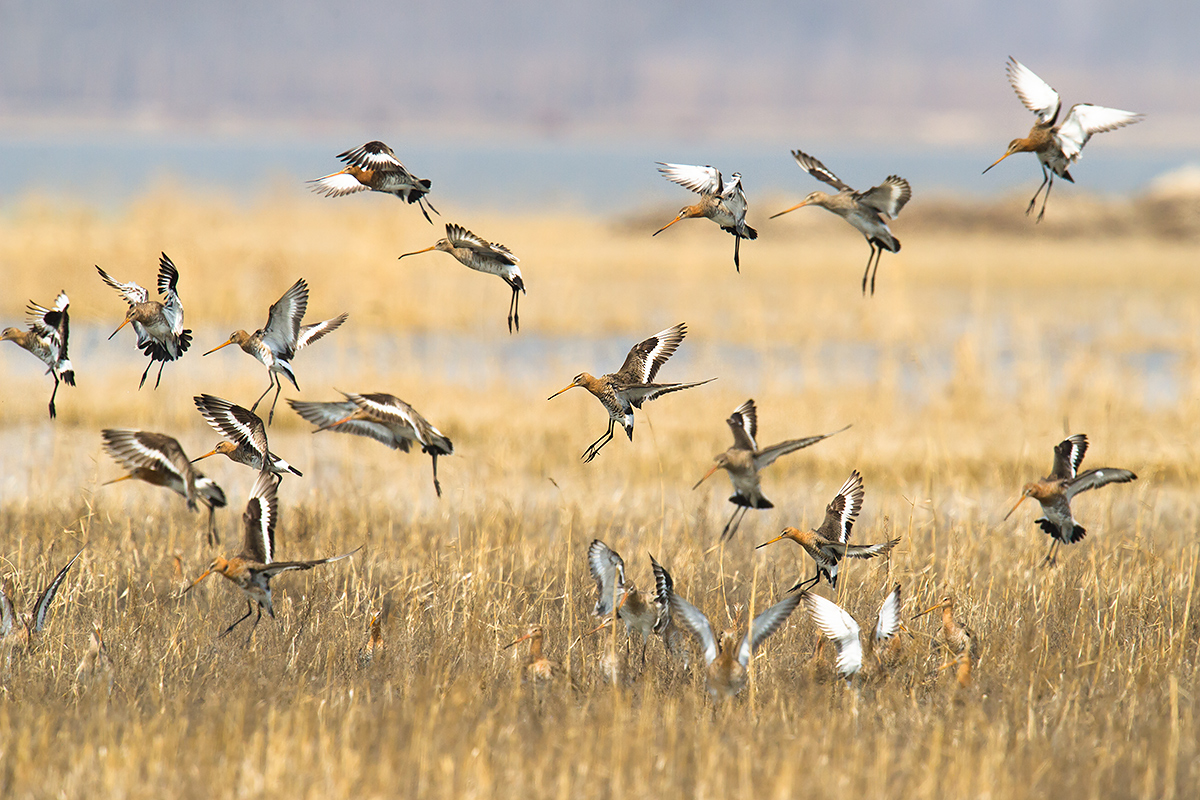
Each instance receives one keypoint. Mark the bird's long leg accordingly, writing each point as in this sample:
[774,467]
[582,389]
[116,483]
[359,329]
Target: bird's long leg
[249,611]
[513,314]
[1050,560]
[142,382]
[594,448]
[1033,201]
[813,581]
[278,389]
[737,246]
[254,626]
[1046,197]
[53,413]
[732,525]
[878,255]
[867,271]
[270,386]
[213,538]
[158,378]
[437,486]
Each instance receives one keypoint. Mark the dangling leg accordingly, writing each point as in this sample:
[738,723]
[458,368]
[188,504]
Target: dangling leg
[249,611]
[867,272]
[158,379]
[144,374]
[278,389]
[212,526]
[437,486]
[513,313]
[270,386]
[253,627]
[1033,202]
[1050,560]
[1046,197]
[732,525]
[807,583]
[594,448]
[737,246]
[878,255]
[52,394]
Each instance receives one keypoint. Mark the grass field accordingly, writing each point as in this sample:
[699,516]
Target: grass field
[978,353]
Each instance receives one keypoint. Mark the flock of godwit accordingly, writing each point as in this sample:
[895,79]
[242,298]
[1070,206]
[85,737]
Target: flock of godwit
[160,460]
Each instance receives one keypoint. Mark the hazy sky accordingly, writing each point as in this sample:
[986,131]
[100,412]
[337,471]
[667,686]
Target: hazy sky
[919,72]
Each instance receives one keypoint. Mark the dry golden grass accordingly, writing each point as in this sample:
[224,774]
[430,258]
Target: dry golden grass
[975,349]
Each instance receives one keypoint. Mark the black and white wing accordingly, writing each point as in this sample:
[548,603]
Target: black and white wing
[1095,478]
[239,425]
[765,624]
[394,412]
[843,510]
[702,180]
[888,197]
[373,156]
[168,288]
[1068,455]
[132,293]
[310,333]
[819,171]
[260,518]
[840,628]
[282,330]
[608,570]
[1085,119]
[326,415]
[768,455]
[459,236]
[692,619]
[37,621]
[1035,93]
[647,357]
[744,424]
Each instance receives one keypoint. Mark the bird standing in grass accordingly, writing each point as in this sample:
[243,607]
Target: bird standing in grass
[722,202]
[1057,146]
[963,642]
[276,343]
[374,166]
[744,460]
[1056,491]
[159,326]
[49,331]
[483,256]
[538,668]
[626,389]
[867,211]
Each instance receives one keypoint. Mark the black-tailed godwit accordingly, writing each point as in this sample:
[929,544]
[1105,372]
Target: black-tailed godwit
[251,570]
[1057,146]
[159,460]
[538,668]
[374,166]
[830,543]
[843,631]
[726,661]
[744,460]
[47,337]
[626,389]
[1056,491]
[867,211]
[159,326]
[723,203]
[483,256]
[963,642]
[645,614]
[245,435]
[276,343]
[29,626]
[382,417]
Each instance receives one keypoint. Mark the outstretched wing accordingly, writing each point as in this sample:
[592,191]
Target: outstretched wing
[283,320]
[1034,92]
[840,628]
[889,616]
[396,413]
[1085,119]
[373,156]
[765,624]
[240,425]
[144,450]
[42,606]
[1068,455]
[285,566]
[744,424]
[888,197]
[132,293]
[842,511]
[168,281]
[324,415]
[703,180]
[1095,478]
[819,171]
[693,620]
[608,570]
[768,455]
[310,333]
[260,517]
[461,237]
[647,357]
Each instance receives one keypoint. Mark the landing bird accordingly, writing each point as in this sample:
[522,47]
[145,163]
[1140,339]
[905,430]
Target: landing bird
[723,203]
[626,389]
[744,460]
[725,666]
[374,166]
[482,256]
[276,343]
[245,435]
[1057,146]
[382,417]
[538,668]
[49,330]
[251,570]
[867,211]
[642,614]
[963,642]
[35,623]
[829,544]
[158,459]
[1056,491]
[159,326]
[842,630]
[673,636]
